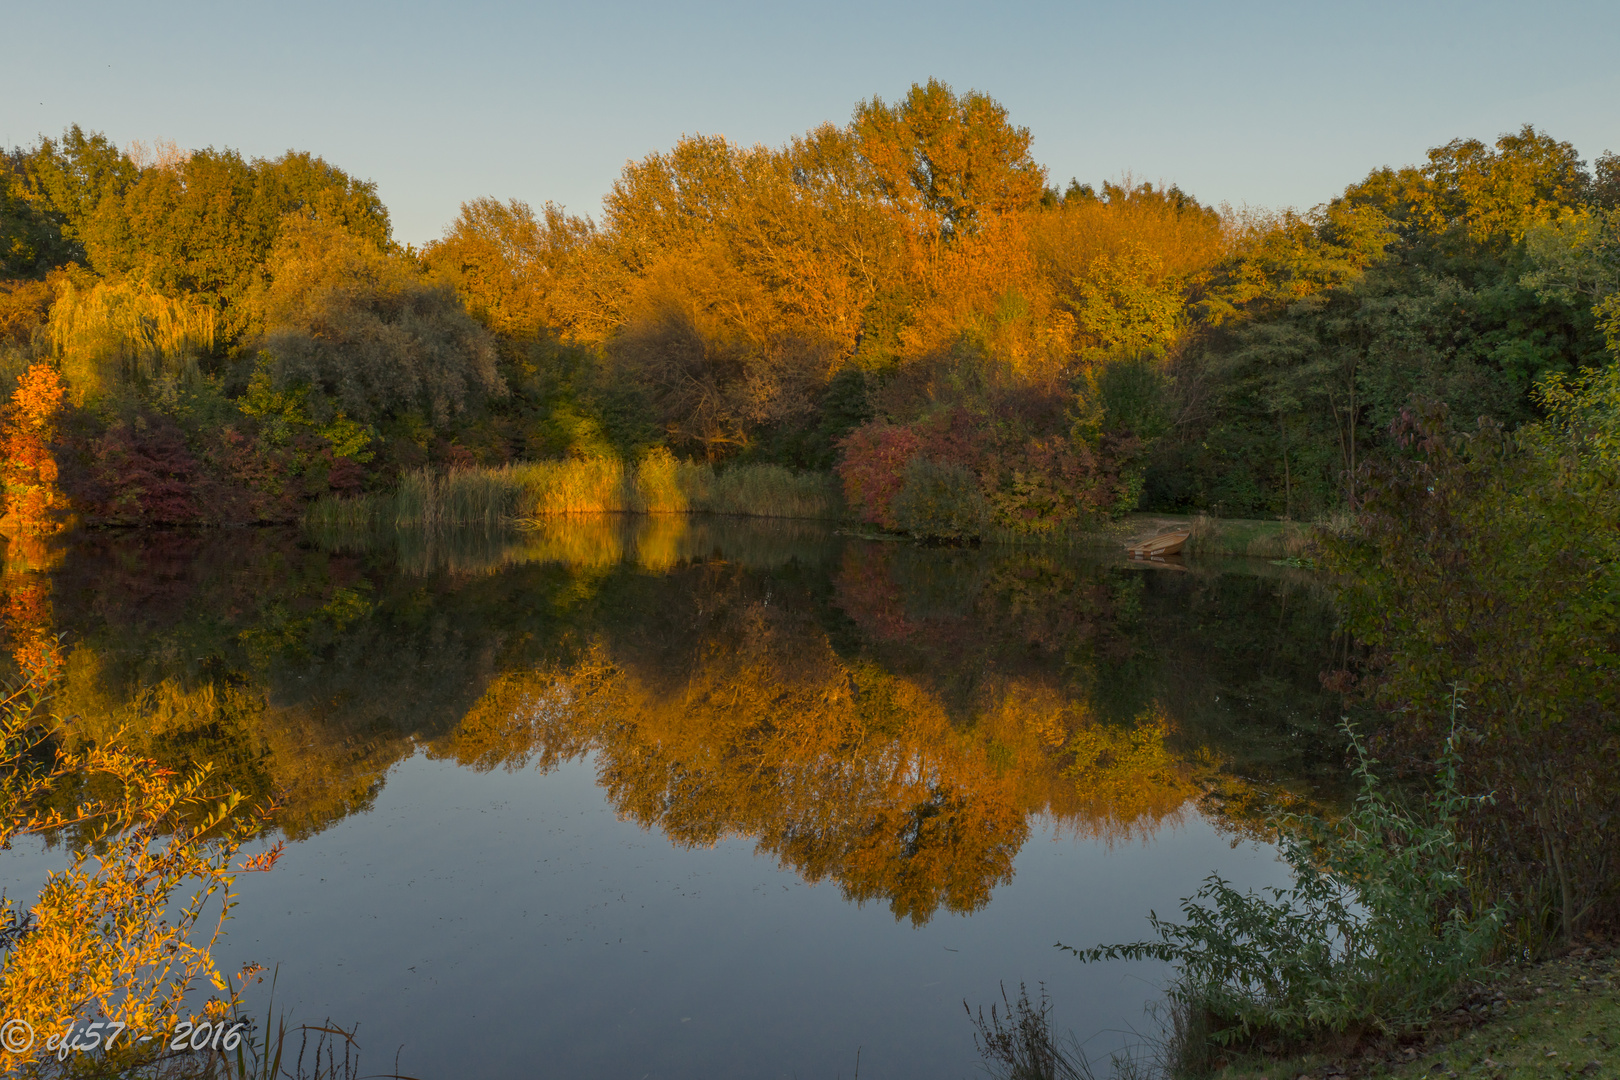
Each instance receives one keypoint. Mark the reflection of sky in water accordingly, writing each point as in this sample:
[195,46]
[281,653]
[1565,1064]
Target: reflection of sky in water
[511,923]
[508,924]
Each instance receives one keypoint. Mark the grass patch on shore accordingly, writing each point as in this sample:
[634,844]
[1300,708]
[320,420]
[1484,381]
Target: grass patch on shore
[1246,537]
[1558,1018]
[1256,539]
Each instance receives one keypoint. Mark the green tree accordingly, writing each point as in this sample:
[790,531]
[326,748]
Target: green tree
[1576,260]
[1467,280]
[204,225]
[364,334]
[71,178]
[31,240]
[1490,561]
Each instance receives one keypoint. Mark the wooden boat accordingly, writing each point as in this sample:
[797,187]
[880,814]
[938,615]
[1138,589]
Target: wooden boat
[1169,543]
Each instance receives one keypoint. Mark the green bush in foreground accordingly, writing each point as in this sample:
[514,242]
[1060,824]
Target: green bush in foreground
[1372,936]
[1491,560]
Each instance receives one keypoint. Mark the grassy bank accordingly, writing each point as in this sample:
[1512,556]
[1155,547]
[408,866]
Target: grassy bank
[523,495]
[1558,1018]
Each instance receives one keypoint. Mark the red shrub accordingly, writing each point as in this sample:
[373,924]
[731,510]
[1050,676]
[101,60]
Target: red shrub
[874,457]
[265,481]
[144,475]
[346,476]
[1032,484]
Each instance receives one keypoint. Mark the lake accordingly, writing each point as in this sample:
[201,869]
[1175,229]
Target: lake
[667,797]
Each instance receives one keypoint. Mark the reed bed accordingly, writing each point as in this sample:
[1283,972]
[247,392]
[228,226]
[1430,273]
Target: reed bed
[772,491]
[653,542]
[492,500]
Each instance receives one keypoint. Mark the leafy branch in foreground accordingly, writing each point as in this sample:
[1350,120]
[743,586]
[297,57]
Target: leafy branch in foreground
[107,938]
[1374,933]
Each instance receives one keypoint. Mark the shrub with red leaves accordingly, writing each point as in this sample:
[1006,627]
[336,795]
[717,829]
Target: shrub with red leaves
[144,474]
[345,477]
[1031,484]
[874,460]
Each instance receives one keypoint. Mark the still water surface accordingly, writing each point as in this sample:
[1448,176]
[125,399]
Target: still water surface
[680,797]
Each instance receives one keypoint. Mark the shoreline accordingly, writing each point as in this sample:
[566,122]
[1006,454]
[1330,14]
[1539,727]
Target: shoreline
[1559,1017]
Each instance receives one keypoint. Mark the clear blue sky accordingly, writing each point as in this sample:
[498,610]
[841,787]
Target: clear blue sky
[1265,104]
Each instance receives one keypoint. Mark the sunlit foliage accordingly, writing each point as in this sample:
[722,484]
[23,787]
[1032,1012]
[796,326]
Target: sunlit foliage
[27,427]
[108,938]
[945,158]
[111,333]
[748,289]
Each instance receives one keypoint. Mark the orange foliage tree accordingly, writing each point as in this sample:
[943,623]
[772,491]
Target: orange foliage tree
[32,496]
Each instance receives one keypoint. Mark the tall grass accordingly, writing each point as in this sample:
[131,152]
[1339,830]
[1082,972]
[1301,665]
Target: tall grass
[653,542]
[661,484]
[490,500]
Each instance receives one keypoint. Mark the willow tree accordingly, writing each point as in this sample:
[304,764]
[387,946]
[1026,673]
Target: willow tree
[121,333]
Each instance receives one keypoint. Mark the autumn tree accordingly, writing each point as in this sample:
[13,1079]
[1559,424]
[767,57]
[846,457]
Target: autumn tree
[508,265]
[946,160]
[742,278]
[33,499]
[1473,195]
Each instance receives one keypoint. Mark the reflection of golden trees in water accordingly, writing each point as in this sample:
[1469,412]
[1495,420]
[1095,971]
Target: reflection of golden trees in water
[720,709]
[26,611]
[1106,781]
[750,724]
[592,542]
[890,729]
[317,766]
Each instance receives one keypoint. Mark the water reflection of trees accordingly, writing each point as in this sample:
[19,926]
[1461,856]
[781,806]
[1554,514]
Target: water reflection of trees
[882,717]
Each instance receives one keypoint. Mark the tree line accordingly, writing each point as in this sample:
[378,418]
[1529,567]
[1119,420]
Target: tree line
[905,298]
